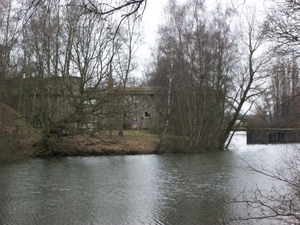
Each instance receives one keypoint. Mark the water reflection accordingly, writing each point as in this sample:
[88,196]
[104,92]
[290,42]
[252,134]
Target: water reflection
[238,141]
[151,189]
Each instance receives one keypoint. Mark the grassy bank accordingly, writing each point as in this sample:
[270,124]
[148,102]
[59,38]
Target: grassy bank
[132,142]
[19,140]
[16,147]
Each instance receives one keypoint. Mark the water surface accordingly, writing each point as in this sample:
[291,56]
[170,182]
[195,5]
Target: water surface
[142,189]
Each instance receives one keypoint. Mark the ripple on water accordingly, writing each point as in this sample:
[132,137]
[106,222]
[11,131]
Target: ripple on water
[164,189]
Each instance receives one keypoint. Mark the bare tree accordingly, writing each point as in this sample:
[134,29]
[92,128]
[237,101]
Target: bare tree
[216,74]
[8,40]
[102,9]
[283,25]
[194,62]
[250,78]
[128,43]
[281,204]
[280,103]
[67,62]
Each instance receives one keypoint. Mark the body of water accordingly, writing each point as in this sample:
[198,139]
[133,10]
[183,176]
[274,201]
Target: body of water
[141,189]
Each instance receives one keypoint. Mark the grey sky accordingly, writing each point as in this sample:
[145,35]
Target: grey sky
[153,16]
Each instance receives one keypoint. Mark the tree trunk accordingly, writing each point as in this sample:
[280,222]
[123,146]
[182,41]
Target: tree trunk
[163,134]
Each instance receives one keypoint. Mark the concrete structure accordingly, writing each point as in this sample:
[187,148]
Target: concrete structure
[104,107]
[140,107]
[273,135]
[133,107]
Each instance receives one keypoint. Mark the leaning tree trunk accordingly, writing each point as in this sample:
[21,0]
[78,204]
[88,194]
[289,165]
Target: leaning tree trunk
[163,134]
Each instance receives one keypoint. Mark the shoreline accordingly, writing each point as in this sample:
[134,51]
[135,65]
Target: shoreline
[17,147]
[21,146]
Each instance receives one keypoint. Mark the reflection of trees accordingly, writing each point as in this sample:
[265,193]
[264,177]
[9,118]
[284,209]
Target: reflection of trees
[167,189]
[192,194]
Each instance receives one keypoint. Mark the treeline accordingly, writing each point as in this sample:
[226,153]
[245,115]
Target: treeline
[65,67]
[60,60]
[279,106]
[214,65]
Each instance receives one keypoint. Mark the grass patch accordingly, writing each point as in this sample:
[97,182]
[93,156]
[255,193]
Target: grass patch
[15,147]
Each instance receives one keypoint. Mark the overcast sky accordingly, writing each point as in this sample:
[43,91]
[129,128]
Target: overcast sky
[153,16]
